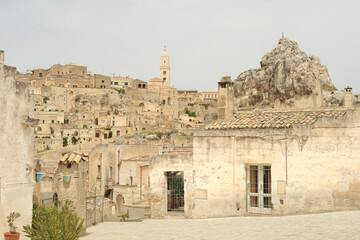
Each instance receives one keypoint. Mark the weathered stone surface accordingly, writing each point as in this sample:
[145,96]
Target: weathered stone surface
[285,73]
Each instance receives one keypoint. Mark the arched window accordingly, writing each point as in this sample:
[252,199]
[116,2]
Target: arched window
[96,121]
[139,85]
[144,85]
[117,133]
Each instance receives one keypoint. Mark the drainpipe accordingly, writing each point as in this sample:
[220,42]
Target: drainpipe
[13,183]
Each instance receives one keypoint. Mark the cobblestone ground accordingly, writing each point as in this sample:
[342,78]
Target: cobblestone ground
[336,225]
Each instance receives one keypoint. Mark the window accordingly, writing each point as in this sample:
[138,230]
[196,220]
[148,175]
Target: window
[83,72]
[84,126]
[43,121]
[164,72]
[87,86]
[40,74]
[164,79]
[111,173]
[52,121]
[126,83]
[113,123]
[131,180]
[102,86]
[99,172]
[45,94]
[74,86]
[32,91]
[116,83]
[102,81]
[61,85]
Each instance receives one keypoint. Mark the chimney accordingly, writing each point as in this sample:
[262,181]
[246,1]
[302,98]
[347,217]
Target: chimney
[348,97]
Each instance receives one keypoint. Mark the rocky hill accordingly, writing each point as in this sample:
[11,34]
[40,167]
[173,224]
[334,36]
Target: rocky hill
[286,74]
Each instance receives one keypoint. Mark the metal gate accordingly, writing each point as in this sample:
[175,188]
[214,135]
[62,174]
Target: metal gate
[175,191]
[94,210]
[259,189]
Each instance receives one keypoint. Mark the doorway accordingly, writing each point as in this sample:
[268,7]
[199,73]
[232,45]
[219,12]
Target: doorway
[175,191]
[258,186]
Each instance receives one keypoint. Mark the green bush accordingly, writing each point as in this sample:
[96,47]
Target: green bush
[65,141]
[190,114]
[54,223]
[10,219]
[74,140]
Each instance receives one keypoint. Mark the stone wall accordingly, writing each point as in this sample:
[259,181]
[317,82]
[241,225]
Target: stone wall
[159,166]
[16,143]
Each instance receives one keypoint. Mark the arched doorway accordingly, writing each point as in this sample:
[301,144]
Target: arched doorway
[117,133]
[119,203]
[109,194]
[51,130]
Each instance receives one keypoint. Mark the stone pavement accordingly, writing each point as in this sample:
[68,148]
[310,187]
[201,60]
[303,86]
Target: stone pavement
[335,225]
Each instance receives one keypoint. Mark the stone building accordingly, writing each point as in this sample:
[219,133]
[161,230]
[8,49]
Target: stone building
[267,161]
[17,148]
[275,150]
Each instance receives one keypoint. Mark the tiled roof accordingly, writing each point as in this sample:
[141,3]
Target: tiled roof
[73,157]
[272,119]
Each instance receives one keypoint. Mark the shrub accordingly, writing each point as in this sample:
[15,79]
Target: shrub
[74,140]
[190,114]
[56,223]
[10,219]
[65,141]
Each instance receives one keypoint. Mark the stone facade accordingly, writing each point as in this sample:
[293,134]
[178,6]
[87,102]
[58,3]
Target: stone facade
[17,149]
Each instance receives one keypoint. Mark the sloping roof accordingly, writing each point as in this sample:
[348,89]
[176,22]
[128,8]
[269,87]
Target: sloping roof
[272,119]
[72,157]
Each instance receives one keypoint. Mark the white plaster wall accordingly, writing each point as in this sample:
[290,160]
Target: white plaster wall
[16,149]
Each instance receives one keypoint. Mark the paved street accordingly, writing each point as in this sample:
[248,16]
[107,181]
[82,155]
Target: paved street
[337,225]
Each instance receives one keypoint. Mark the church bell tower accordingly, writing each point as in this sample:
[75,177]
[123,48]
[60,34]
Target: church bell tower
[165,68]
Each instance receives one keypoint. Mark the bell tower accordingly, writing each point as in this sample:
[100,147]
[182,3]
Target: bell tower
[165,68]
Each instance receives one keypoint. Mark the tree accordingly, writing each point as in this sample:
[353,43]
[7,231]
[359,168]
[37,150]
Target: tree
[65,141]
[56,223]
[74,140]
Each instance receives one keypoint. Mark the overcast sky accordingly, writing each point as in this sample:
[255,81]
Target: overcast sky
[205,39]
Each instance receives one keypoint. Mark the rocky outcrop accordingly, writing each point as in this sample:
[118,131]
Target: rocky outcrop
[286,74]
